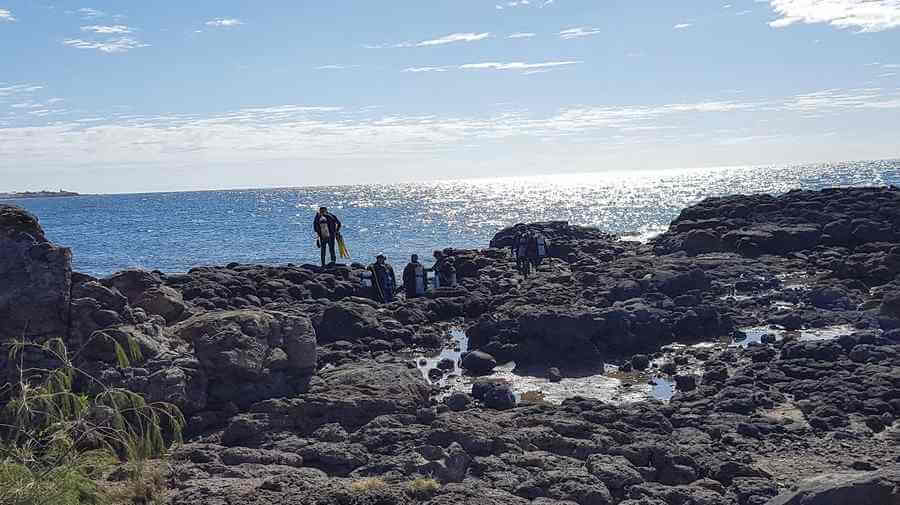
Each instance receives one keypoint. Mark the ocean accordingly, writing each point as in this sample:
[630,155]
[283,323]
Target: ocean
[173,232]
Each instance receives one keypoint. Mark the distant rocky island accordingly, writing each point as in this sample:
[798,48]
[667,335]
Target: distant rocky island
[38,194]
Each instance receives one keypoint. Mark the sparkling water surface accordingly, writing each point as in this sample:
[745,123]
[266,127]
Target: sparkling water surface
[173,232]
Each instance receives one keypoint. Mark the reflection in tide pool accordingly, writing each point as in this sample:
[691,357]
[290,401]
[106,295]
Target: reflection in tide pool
[755,335]
[603,382]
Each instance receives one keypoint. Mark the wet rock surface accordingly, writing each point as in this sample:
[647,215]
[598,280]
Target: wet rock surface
[752,346]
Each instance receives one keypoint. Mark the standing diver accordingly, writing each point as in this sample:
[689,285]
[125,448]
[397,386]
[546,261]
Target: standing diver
[326,225]
[384,279]
[543,248]
[444,270]
[414,278]
[518,250]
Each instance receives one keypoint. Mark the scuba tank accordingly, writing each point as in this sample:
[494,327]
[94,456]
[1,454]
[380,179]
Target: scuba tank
[541,246]
[386,282]
[421,280]
[531,247]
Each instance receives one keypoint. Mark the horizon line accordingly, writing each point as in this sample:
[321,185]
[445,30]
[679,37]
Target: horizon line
[461,179]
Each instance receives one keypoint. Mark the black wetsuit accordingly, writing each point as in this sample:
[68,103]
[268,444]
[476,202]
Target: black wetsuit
[385,280]
[410,281]
[334,225]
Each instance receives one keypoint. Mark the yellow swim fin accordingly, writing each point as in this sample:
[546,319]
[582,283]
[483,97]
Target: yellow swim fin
[342,247]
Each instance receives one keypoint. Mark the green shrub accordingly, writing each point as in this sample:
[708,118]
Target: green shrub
[57,442]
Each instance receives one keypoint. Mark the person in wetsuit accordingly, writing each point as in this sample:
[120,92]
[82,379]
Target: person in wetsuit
[415,279]
[518,250]
[384,279]
[326,226]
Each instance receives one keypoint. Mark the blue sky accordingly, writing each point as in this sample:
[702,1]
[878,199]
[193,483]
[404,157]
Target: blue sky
[111,96]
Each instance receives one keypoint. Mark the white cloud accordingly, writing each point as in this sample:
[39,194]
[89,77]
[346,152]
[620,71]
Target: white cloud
[89,13]
[6,15]
[335,135]
[106,30]
[425,69]
[224,22]
[454,37]
[521,35]
[17,89]
[115,45]
[513,4]
[336,67]
[682,26]
[866,15]
[516,65]
[842,100]
[526,68]
[742,13]
[297,131]
[575,33]
[446,39]
[524,3]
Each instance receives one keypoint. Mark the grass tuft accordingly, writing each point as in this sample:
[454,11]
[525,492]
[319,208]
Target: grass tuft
[368,485]
[423,487]
[57,441]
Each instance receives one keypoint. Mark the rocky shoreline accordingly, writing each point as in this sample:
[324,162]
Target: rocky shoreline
[773,323]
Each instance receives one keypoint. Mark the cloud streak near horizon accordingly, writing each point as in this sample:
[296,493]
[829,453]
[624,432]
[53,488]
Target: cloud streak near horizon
[305,131]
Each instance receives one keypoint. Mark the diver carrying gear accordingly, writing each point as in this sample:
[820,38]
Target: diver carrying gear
[384,279]
[414,278]
[326,227]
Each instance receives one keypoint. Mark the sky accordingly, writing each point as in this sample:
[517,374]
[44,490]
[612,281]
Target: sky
[112,96]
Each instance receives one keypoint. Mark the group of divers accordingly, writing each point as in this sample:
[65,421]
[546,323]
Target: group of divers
[529,248]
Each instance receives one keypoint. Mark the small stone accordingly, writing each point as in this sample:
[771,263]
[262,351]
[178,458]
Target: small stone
[863,466]
[479,362]
[435,374]
[686,382]
[554,375]
[494,395]
[458,401]
[640,361]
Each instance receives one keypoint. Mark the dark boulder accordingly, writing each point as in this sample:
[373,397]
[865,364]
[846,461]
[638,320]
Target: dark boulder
[252,355]
[479,363]
[35,279]
[881,488]
[347,321]
[494,395]
[132,283]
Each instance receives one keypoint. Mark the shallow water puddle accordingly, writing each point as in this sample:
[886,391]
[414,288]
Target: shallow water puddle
[530,383]
[755,334]
[459,343]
